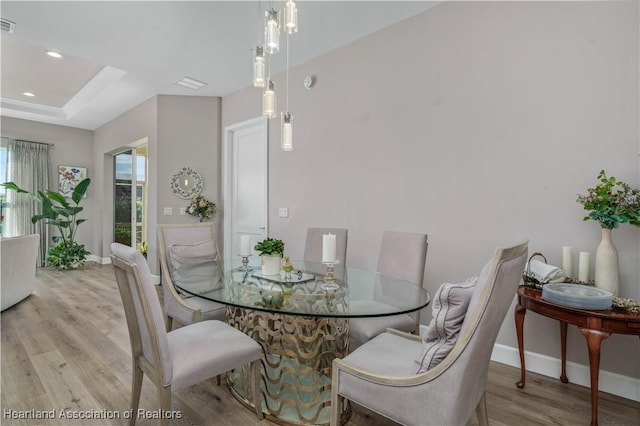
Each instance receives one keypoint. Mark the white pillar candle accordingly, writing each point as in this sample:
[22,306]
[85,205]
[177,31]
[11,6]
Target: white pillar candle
[245,245]
[566,261]
[329,248]
[583,267]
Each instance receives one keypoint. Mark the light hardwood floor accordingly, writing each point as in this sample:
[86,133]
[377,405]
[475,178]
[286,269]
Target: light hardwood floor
[66,348]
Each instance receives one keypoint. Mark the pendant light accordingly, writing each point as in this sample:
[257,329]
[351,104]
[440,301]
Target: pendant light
[286,135]
[269,100]
[272,31]
[291,17]
[286,143]
[258,68]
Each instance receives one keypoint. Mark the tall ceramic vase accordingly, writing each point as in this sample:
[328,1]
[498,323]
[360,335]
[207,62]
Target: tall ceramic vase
[607,269]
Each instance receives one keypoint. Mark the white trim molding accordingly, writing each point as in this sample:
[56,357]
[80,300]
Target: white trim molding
[613,383]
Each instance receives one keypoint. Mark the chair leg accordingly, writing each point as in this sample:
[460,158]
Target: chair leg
[335,398]
[256,377]
[136,388]
[481,410]
[164,398]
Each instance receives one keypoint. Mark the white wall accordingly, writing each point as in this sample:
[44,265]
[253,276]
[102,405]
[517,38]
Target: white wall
[477,123]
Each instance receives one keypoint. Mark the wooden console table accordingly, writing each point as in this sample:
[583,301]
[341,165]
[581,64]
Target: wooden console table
[594,325]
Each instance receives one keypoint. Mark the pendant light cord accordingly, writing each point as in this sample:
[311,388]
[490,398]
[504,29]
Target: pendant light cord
[287,72]
[259,24]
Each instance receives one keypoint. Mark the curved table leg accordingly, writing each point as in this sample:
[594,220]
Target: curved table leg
[519,316]
[594,340]
[563,346]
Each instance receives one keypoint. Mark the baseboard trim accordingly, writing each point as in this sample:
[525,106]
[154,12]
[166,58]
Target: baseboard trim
[107,261]
[613,383]
[99,260]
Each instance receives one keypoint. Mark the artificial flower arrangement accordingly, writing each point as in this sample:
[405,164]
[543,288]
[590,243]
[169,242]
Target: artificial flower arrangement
[201,208]
[612,202]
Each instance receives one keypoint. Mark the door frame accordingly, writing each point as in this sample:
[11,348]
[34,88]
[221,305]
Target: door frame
[227,176]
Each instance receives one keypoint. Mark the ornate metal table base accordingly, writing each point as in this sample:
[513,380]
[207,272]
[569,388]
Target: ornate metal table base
[296,369]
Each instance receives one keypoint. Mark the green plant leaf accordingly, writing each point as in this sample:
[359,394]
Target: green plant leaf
[80,190]
[57,197]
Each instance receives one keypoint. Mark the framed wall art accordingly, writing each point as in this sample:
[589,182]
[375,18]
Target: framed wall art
[69,177]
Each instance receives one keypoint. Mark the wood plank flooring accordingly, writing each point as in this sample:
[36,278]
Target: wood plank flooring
[66,348]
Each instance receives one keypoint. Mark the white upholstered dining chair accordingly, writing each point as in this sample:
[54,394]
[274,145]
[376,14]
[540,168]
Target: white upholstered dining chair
[182,245]
[313,244]
[402,255]
[386,373]
[182,357]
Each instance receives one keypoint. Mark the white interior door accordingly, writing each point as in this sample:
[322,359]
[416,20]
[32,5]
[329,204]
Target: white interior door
[245,184]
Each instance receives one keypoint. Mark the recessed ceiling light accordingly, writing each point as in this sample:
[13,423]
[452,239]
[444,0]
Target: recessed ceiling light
[29,94]
[190,83]
[54,54]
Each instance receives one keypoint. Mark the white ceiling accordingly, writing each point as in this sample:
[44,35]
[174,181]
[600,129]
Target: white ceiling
[118,54]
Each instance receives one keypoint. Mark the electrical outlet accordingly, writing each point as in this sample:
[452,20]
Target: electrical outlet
[183,211]
[283,212]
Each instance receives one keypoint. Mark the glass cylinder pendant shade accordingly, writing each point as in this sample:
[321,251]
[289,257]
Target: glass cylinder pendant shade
[272,31]
[258,68]
[269,101]
[286,143]
[291,17]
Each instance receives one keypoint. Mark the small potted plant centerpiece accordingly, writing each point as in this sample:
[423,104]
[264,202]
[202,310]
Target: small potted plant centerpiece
[271,251]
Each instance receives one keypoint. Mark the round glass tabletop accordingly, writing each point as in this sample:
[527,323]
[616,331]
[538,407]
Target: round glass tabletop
[307,290]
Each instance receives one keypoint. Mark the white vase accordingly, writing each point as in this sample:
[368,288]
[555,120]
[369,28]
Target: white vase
[271,264]
[607,270]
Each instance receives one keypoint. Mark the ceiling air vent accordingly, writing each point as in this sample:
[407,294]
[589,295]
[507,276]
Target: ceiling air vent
[7,26]
[190,83]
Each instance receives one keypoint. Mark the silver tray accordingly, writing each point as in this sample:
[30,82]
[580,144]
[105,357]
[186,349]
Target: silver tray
[577,296]
[297,277]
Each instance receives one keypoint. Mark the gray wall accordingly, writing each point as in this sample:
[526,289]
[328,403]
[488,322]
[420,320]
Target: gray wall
[73,147]
[116,136]
[189,136]
[181,131]
[477,123]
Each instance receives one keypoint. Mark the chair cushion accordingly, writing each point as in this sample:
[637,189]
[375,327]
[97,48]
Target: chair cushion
[208,348]
[366,328]
[450,304]
[192,254]
[386,354]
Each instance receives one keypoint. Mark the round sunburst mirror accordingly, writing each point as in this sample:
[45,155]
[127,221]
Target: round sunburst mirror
[186,183]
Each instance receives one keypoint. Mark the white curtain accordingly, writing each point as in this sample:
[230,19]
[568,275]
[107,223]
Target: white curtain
[28,167]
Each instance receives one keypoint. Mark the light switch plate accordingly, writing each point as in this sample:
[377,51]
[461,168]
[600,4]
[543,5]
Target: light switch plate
[283,212]
[168,211]
[183,211]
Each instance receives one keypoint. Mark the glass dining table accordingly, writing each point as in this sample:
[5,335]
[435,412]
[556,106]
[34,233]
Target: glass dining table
[301,319]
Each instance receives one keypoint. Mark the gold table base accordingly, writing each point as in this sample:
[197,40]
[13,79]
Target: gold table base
[296,368]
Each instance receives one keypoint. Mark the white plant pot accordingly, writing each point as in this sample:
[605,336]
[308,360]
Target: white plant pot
[271,264]
[607,270]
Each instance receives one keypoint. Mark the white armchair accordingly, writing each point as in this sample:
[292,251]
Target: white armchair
[402,255]
[18,276]
[179,358]
[383,376]
[188,244]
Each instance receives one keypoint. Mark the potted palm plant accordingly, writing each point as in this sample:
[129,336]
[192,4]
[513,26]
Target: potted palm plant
[57,211]
[271,251]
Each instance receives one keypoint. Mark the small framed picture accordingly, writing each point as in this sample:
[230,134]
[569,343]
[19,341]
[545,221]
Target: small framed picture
[69,177]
